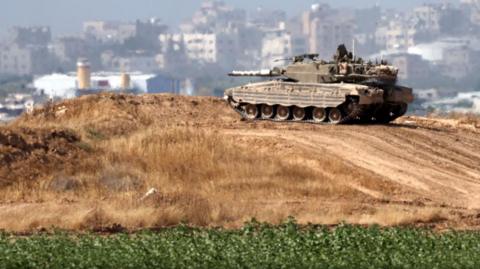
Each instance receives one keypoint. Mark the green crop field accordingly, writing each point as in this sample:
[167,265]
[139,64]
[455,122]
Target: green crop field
[255,246]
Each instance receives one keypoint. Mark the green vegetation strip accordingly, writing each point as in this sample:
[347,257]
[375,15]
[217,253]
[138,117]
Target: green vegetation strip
[254,246]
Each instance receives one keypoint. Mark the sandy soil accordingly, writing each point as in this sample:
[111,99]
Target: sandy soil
[414,165]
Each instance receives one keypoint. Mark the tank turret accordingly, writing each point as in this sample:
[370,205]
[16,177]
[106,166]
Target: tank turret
[307,68]
[345,85]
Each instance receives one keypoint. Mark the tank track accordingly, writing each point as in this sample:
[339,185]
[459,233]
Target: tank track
[348,119]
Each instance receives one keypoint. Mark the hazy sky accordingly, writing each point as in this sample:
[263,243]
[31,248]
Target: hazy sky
[67,15]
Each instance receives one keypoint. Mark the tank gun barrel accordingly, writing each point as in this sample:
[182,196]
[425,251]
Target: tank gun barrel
[256,73]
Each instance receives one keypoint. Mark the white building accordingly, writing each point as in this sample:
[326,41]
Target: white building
[203,48]
[275,45]
[56,85]
[198,47]
[65,86]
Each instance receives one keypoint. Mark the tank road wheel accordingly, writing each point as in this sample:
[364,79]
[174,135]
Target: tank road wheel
[389,113]
[398,111]
[251,111]
[335,115]
[401,110]
[351,107]
[384,114]
[319,114]
[298,113]
[283,113]
[267,112]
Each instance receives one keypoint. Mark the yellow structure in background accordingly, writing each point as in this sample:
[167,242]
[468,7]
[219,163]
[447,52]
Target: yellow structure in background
[125,81]
[83,74]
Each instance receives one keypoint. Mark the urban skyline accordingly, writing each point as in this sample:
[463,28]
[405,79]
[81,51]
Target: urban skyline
[66,17]
[436,48]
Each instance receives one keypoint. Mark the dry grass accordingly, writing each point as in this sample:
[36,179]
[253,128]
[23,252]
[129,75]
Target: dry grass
[469,118]
[204,175]
[457,119]
[402,216]
[204,178]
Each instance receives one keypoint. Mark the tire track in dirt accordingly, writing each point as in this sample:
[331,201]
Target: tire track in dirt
[437,165]
[431,156]
[448,163]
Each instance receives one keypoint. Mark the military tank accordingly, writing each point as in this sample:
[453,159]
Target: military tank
[344,90]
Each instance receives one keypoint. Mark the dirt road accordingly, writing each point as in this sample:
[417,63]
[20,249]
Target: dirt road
[438,164]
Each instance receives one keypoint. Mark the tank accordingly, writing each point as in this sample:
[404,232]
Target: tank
[344,90]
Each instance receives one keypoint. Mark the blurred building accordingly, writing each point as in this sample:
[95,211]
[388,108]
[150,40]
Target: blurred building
[473,9]
[109,31]
[201,47]
[136,63]
[149,30]
[133,62]
[436,51]
[381,34]
[276,45]
[24,36]
[399,36]
[69,49]
[27,60]
[267,18]
[427,18]
[299,41]
[411,67]
[326,28]
[214,16]
[457,62]
[220,48]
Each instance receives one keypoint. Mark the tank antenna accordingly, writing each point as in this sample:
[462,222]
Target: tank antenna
[353,49]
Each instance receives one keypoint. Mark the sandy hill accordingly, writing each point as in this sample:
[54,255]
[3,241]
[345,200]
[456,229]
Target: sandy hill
[87,163]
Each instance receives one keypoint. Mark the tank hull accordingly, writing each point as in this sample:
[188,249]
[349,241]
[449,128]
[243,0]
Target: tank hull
[303,100]
[304,94]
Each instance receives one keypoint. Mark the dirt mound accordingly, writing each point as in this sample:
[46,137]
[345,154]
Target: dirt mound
[118,114]
[466,122]
[30,154]
[103,152]
[60,137]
